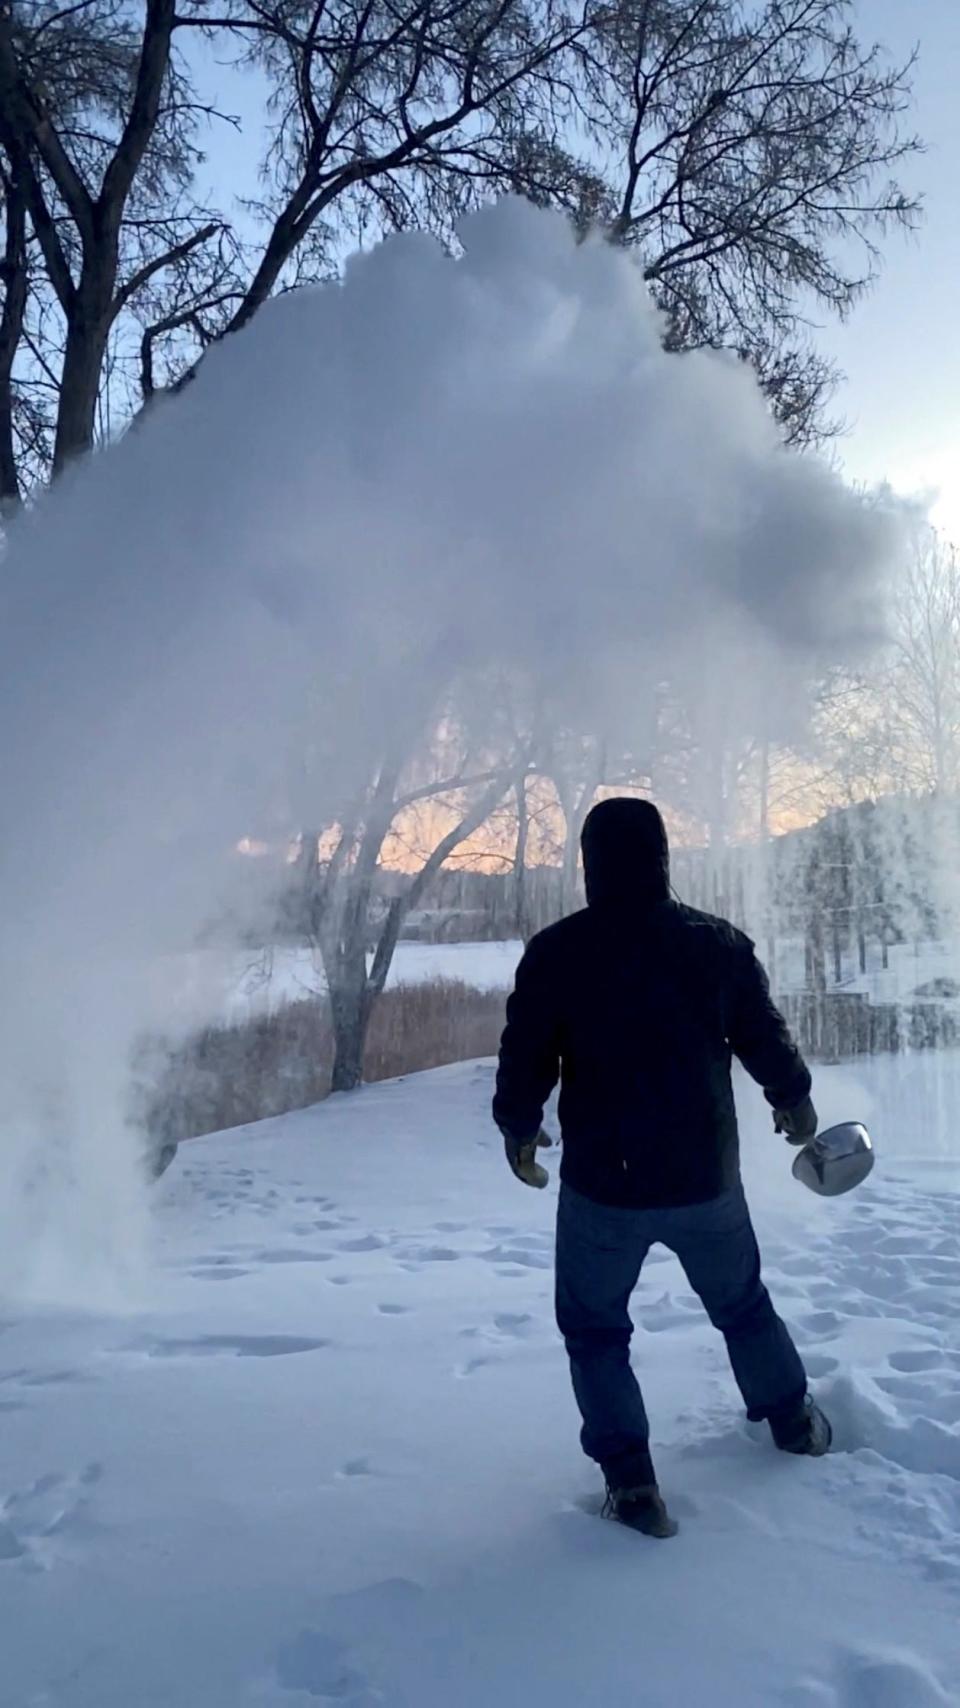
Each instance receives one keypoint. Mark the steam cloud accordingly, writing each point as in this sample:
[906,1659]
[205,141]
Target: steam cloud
[491,457]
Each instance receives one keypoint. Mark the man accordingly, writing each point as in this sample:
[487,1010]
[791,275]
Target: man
[637,1005]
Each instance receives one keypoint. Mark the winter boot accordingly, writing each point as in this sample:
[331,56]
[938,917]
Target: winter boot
[640,1509]
[802,1429]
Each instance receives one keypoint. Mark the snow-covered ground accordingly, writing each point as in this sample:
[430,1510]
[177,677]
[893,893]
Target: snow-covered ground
[331,1456]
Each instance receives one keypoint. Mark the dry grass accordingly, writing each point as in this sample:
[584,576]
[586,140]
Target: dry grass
[225,1076]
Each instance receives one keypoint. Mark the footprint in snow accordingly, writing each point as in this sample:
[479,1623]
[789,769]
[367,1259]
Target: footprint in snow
[222,1272]
[907,1435]
[666,1313]
[797,1266]
[933,1395]
[517,1256]
[819,1365]
[515,1324]
[26,1378]
[865,1306]
[918,1387]
[367,1242]
[921,1359]
[506,1326]
[51,1508]
[413,1258]
[470,1368]
[890,1681]
[230,1345]
[319,1666]
[821,1325]
[394,1310]
[292,1254]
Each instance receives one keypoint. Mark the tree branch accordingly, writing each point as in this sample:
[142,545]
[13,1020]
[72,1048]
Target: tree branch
[28,126]
[144,109]
[178,253]
[402,904]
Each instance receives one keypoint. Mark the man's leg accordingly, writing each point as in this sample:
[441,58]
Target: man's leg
[600,1253]
[717,1247]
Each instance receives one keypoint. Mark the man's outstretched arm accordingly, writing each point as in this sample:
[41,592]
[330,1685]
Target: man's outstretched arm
[760,1038]
[529,1065]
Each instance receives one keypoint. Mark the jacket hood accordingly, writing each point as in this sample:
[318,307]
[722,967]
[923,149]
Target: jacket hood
[626,855]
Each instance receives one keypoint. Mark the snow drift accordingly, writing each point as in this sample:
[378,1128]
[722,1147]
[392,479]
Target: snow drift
[207,629]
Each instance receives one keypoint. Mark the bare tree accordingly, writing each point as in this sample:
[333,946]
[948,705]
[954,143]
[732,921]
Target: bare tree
[893,727]
[756,173]
[848,756]
[96,130]
[354,915]
[922,699]
[743,150]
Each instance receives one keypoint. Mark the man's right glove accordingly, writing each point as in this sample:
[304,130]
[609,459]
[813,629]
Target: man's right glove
[798,1124]
[523,1158]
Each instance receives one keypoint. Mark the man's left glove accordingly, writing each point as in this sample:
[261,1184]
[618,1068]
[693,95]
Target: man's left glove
[522,1157]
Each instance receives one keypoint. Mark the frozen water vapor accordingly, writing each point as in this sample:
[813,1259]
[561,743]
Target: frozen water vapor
[437,462]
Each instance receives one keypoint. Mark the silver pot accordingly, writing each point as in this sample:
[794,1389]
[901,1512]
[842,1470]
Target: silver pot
[835,1161]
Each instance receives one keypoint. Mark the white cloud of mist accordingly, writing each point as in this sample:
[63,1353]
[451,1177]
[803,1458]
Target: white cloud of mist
[486,458]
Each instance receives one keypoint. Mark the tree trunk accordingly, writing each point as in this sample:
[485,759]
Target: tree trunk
[571,850]
[11,329]
[343,940]
[9,480]
[816,966]
[765,791]
[718,813]
[575,805]
[520,908]
[87,334]
[350,1008]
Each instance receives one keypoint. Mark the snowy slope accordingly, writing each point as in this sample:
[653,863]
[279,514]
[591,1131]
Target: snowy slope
[331,1457]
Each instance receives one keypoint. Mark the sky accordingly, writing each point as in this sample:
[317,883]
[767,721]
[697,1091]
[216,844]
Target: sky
[900,350]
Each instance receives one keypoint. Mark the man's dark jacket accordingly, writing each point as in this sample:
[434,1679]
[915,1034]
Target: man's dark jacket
[637,1004]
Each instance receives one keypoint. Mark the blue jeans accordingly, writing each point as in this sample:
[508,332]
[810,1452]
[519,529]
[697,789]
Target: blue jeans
[600,1252]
